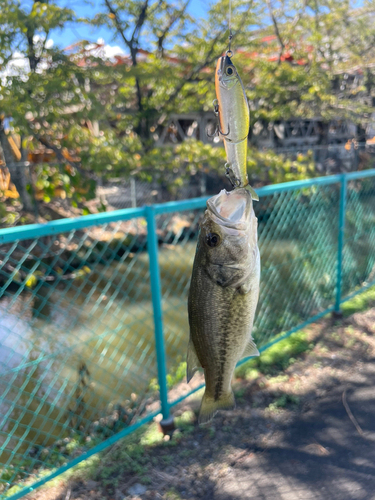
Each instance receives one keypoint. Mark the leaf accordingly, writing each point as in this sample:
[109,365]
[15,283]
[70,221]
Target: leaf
[31,281]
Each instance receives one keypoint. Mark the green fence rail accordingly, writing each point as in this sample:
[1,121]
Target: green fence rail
[93,312]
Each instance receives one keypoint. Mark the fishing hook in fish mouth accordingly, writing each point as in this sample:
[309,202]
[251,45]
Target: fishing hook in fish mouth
[236,183]
[217,129]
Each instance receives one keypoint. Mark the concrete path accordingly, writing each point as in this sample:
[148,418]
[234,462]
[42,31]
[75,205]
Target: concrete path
[320,455]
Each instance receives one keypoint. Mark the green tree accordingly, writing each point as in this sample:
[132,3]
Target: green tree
[176,75]
[292,55]
[180,51]
[302,72]
[53,94]
[43,90]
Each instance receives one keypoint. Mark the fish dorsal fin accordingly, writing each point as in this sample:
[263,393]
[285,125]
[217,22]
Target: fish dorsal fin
[192,361]
[252,192]
[250,349]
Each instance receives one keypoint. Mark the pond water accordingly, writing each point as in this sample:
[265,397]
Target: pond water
[71,352]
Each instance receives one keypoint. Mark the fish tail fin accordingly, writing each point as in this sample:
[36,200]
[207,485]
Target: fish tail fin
[209,406]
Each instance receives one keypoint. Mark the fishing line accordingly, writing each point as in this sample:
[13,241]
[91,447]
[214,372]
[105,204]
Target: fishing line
[229,51]
[230,17]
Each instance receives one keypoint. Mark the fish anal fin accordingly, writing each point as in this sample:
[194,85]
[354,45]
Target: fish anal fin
[192,361]
[250,349]
[209,406]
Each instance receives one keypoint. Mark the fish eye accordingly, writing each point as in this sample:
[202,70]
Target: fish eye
[229,71]
[212,240]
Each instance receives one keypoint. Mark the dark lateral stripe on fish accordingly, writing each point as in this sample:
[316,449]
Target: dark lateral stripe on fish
[220,378]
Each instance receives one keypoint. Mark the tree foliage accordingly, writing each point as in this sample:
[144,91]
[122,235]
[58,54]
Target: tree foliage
[293,57]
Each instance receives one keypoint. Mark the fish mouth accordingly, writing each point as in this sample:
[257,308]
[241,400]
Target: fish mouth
[232,209]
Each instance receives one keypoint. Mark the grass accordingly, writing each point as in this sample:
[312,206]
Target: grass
[277,358]
[172,495]
[82,470]
[185,422]
[130,456]
[175,376]
[278,379]
[283,401]
[360,302]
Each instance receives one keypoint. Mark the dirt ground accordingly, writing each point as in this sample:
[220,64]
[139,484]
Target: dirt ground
[307,432]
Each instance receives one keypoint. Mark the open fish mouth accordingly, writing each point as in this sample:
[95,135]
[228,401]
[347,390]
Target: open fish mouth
[231,208]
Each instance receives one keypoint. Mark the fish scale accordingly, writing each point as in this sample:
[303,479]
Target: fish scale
[223,296]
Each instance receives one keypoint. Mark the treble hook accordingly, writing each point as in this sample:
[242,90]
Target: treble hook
[232,178]
[217,129]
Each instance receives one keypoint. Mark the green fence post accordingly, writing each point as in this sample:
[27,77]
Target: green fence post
[342,210]
[152,245]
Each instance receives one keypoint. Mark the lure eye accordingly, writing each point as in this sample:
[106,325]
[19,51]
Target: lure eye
[212,240]
[229,71]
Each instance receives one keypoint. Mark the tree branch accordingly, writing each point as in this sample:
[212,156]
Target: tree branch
[119,27]
[207,61]
[172,20]
[31,55]
[276,29]
[132,43]
[61,157]
[140,22]
[297,18]
[45,42]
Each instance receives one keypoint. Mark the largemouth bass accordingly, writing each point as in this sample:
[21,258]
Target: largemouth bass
[234,119]
[223,296]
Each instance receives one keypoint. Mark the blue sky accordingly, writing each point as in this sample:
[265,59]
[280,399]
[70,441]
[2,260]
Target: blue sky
[77,32]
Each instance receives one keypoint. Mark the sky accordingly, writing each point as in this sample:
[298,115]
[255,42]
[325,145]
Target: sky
[88,8]
[77,32]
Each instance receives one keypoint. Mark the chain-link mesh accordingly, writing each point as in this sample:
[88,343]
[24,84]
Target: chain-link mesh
[298,231]
[176,256]
[359,239]
[78,360]
[77,338]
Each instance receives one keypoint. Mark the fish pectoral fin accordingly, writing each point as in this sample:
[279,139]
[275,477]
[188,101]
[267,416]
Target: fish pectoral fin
[192,361]
[252,192]
[250,349]
[209,406]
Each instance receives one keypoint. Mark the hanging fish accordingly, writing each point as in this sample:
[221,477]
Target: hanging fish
[223,296]
[232,110]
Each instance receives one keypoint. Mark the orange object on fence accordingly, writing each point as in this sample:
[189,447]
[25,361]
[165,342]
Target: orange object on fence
[6,186]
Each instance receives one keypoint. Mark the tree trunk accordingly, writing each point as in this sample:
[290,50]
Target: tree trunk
[17,174]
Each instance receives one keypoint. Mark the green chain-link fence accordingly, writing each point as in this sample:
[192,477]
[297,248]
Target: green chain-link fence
[93,311]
